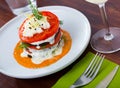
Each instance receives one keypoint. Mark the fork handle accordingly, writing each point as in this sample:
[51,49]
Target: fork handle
[77,83]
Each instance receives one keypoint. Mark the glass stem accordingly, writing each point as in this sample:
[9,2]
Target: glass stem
[108,35]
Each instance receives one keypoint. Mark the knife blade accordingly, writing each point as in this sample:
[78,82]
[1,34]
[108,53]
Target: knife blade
[106,81]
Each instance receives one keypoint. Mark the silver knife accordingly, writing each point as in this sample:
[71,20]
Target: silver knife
[106,81]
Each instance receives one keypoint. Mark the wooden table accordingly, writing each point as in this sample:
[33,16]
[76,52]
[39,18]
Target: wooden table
[93,15]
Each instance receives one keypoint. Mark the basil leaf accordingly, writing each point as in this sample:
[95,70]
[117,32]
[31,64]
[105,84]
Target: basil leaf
[61,22]
[24,45]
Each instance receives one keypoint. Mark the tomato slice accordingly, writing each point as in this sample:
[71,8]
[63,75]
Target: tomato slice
[54,26]
[57,39]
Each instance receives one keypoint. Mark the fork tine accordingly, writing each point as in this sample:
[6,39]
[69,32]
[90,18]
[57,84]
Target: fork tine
[97,66]
[86,71]
[92,66]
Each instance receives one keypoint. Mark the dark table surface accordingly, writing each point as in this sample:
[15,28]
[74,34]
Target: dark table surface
[92,13]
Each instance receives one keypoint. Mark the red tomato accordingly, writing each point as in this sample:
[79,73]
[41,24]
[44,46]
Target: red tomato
[54,26]
[57,39]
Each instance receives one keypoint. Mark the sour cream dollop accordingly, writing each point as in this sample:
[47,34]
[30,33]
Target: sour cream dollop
[38,56]
[33,26]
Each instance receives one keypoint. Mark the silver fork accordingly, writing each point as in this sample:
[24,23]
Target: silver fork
[91,71]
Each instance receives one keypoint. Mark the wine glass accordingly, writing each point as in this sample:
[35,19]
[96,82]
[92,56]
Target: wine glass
[106,40]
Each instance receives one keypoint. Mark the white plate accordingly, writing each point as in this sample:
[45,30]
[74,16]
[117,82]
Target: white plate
[73,21]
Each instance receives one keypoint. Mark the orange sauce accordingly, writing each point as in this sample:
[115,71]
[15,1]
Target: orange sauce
[26,62]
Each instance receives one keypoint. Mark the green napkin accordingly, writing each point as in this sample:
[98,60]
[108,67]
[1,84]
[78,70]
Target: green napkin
[70,77]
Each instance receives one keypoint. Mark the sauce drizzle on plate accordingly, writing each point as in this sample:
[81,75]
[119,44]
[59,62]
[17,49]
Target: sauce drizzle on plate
[26,61]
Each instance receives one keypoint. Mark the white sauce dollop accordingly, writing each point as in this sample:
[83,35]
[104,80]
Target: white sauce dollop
[33,26]
[50,40]
[38,56]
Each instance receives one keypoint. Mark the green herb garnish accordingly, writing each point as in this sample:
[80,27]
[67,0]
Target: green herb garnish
[53,52]
[61,22]
[35,11]
[43,46]
[64,38]
[24,45]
